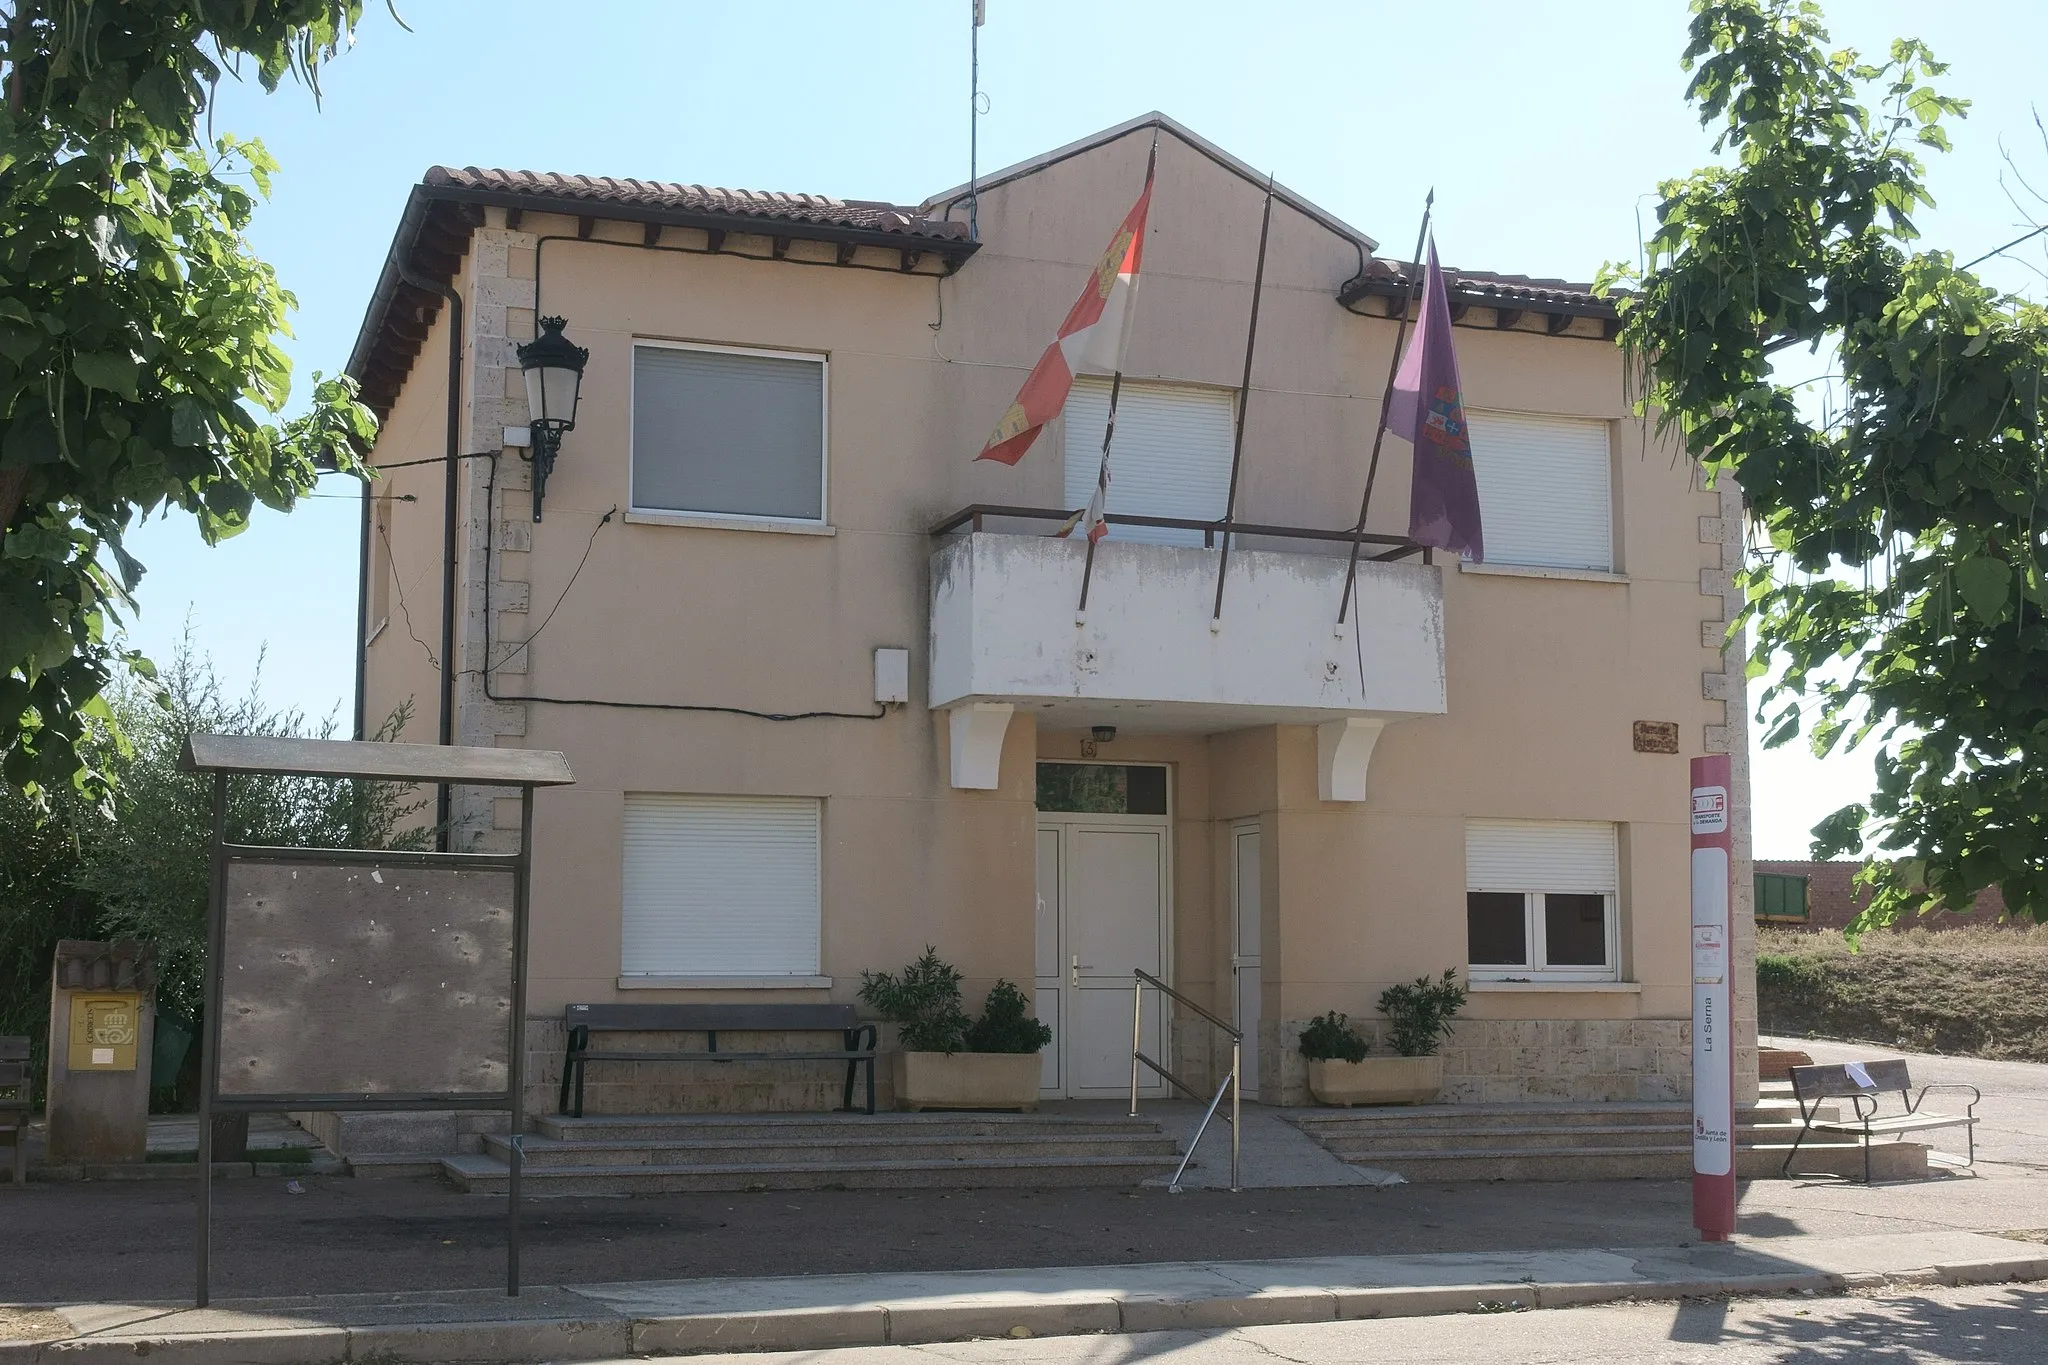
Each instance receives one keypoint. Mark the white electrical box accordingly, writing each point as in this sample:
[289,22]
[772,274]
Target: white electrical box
[892,676]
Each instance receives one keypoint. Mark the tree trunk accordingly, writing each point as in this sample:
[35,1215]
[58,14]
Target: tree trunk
[12,481]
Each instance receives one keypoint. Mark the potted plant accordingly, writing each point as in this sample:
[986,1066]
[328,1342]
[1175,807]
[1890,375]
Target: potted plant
[1418,1017]
[950,1061]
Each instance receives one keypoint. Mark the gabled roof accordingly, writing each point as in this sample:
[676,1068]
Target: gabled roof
[1171,127]
[448,204]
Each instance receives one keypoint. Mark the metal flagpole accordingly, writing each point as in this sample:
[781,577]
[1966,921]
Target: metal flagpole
[1244,398]
[974,120]
[1379,435]
[1116,384]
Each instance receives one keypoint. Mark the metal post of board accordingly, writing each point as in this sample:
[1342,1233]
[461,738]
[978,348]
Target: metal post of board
[522,880]
[1236,1090]
[209,1038]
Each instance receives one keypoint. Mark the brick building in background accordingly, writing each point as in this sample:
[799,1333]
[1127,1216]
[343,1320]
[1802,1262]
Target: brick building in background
[1813,895]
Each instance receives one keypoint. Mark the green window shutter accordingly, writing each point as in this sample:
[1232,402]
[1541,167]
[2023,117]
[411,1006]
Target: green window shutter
[1781,897]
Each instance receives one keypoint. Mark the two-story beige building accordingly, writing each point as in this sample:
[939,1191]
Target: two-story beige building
[822,711]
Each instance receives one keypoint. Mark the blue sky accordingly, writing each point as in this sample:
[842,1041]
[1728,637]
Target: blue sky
[1544,129]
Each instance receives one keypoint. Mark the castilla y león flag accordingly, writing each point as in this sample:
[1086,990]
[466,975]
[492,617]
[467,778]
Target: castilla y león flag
[1427,410]
[1092,338]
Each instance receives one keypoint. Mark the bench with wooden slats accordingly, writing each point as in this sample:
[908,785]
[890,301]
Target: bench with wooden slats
[857,1039]
[14,1102]
[1864,1085]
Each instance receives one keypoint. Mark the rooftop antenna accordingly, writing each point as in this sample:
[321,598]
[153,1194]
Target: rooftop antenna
[974,119]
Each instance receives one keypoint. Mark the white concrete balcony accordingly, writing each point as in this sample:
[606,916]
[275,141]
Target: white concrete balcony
[1007,634]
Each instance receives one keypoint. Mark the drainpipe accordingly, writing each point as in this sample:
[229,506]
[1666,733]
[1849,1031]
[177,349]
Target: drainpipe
[443,793]
[363,614]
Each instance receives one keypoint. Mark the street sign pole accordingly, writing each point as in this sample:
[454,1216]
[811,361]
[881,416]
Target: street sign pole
[1713,1069]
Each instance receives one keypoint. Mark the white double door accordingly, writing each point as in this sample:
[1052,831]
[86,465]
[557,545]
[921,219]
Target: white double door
[1102,898]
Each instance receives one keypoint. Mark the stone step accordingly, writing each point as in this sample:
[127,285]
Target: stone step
[486,1175]
[1889,1161]
[1466,1117]
[800,1127]
[1461,1119]
[843,1148]
[1605,1137]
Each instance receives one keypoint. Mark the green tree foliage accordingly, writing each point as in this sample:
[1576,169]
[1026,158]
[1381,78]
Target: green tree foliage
[1902,572]
[139,333]
[139,865]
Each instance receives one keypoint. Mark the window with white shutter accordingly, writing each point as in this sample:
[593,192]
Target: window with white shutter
[720,886]
[1546,490]
[721,431]
[1540,900]
[1171,457]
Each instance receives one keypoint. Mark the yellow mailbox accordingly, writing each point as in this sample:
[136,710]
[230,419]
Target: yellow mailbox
[104,1029]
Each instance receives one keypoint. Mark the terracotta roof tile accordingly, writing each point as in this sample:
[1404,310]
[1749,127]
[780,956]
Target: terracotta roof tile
[1483,287]
[602,191]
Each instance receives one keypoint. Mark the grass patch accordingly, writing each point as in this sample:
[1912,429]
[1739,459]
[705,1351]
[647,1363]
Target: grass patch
[1971,992]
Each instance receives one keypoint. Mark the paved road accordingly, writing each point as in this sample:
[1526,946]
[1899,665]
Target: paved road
[113,1239]
[2008,1325]
[2014,1131]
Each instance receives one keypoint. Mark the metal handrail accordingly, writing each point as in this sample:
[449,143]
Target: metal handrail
[973,515]
[1139,980]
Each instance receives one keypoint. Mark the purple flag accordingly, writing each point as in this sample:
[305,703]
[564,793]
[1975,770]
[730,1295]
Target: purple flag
[1428,412]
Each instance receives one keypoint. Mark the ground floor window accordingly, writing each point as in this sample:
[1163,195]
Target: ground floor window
[1540,900]
[720,886]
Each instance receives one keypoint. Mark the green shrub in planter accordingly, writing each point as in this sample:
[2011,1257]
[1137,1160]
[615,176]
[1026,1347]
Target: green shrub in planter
[1007,1024]
[923,1001]
[1331,1038]
[1419,1015]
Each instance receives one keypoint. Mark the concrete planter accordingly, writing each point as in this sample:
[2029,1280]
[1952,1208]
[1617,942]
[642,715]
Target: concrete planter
[1377,1080]
[965,1080]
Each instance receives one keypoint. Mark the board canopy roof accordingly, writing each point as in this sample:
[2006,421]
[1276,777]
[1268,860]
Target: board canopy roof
[375,760]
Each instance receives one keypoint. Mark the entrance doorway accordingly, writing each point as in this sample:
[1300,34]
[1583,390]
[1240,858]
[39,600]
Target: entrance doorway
[1104,846]
[1244,957]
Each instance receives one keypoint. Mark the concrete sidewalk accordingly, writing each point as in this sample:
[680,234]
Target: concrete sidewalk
[815,1312]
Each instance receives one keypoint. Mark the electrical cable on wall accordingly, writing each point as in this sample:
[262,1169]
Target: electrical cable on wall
[490,539]
[490,551]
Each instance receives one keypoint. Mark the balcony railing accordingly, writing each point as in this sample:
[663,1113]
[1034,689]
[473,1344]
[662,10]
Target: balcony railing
[976,517]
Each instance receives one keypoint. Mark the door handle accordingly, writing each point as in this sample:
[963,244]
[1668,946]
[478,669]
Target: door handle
[1074,970]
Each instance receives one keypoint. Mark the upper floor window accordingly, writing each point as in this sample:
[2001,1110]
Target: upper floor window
[1171,457]
[1540,900]
[719,431]
[1546,490]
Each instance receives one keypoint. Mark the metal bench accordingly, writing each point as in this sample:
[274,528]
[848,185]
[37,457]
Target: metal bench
[1864,1084]
[857,1039]
[14,1104]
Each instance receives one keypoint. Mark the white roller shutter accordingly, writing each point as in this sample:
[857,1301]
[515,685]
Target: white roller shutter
[1540,855]
[1171,457]
[720,886]
[1546,490]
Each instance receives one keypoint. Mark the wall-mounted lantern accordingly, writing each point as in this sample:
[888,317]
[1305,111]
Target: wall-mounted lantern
[554,380]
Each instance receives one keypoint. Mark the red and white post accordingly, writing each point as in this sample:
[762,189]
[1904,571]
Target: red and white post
[1713,1034]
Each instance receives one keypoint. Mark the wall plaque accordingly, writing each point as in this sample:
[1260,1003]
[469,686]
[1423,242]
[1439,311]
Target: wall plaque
[1656,736]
